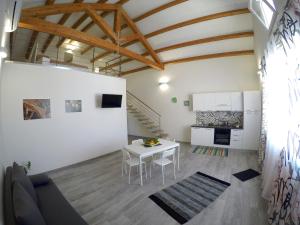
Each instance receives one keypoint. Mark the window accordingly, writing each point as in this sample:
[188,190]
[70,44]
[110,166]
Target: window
[264,10]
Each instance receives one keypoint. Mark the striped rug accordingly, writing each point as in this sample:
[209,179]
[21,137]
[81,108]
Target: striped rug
[223,152]
[187,198]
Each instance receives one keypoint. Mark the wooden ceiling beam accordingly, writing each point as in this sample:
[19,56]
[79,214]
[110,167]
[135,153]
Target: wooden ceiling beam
[62,21]
[66,8]
[195,58]
[104,26]
[141,37]
[191,43]
[34,35]
[77,24]
[143,16]
[117,21]
[59,30]
[135,70]
[198,20]
[190,22]
[210,56]
[90,24]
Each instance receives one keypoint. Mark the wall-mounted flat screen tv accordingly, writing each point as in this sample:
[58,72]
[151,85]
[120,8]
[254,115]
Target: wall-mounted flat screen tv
[111,101]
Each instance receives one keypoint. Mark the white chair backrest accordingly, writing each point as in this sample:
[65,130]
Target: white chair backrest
[126,155]
[168,153]
[171,139]
[137,141]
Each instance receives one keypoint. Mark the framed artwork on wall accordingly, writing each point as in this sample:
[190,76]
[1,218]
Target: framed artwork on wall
[36,109]
[73,106]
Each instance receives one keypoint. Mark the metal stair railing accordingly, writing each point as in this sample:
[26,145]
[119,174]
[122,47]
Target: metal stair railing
[148,114]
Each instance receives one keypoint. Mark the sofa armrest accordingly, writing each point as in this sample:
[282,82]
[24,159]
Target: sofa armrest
[39,179]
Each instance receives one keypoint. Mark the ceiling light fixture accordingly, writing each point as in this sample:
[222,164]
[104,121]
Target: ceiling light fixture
[164,83]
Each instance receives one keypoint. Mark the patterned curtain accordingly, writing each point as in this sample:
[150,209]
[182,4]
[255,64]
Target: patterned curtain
[281,125]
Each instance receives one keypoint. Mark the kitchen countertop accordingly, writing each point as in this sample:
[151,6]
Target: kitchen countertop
[216,126]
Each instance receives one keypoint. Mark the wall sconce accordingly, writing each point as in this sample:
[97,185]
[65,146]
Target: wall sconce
[164,83]
[3,52]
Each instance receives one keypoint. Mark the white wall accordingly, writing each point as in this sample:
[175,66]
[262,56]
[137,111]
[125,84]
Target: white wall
[65,138]
[3,43]
[223,74]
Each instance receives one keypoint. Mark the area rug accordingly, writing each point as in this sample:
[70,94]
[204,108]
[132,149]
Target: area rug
[246,175]
[223,152]
[187,198]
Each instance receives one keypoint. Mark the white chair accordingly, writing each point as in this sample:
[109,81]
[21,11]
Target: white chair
[130,161]
[165,160]
[137,141]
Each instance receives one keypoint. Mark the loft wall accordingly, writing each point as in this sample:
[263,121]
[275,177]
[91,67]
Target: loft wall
[65,138]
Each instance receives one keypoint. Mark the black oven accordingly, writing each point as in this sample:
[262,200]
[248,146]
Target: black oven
[222,136]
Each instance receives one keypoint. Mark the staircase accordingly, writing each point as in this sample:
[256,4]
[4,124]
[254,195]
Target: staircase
[147,116]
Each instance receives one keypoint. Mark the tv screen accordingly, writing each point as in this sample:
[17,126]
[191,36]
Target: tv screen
[111,101]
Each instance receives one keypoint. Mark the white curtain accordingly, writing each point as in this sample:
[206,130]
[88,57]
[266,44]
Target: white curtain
[281,87]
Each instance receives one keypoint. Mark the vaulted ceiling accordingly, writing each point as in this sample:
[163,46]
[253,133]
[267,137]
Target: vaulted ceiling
[125,36]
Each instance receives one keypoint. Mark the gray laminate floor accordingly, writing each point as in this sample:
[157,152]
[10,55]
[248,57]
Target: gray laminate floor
[102,196]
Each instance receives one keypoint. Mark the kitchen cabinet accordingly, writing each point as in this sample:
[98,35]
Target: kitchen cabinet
[237,101]
[203,102]
[202,136]
[236,139]
[252,120]
[222,101]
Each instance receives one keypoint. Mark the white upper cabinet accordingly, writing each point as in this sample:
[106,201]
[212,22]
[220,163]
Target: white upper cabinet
[222,101]
[252,101]
[236,101]
[203,102]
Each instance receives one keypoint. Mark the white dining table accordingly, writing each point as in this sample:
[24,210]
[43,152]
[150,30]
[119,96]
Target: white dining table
[140,151]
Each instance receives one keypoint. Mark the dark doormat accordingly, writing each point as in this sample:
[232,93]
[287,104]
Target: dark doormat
[188,197]
[246,175]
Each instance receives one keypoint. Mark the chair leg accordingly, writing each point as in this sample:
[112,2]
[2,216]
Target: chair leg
[174,167]
[122,168]
[145,170]
[150,168]
[163,175]
[129,174]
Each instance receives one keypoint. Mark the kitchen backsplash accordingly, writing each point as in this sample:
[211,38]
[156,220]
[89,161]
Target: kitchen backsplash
[220,118]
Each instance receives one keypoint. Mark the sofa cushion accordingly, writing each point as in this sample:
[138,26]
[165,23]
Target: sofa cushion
[55,208]
[39,179]
[18,175]
[25,209]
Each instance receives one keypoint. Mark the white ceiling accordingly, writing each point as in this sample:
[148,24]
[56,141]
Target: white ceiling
[184,11]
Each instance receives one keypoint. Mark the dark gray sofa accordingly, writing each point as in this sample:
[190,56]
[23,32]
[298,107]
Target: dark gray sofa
[35,200]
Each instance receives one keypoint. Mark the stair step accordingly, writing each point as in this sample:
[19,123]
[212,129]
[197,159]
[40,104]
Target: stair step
[145,120]
[157,131]
[163,135]
[153,127]
[148,123]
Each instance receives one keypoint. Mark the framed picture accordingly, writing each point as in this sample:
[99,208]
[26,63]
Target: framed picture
[186,103]
[73,106]
[36,109]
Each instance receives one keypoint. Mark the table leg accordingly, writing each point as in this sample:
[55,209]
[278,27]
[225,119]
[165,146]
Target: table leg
[178,156]
[141,171]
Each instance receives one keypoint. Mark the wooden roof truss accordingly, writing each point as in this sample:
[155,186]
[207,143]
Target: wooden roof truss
[113,41]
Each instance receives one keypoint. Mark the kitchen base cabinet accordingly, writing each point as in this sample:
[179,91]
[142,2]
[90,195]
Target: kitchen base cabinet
[202,136]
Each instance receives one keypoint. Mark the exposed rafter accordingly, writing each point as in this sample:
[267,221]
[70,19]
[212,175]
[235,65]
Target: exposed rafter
[194,58]
[189,43]
[90,24]
[144,16]
[62,21]
[59,30]
[66,8]
[104,26]
[141,37]
[34,35]
[187,23]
